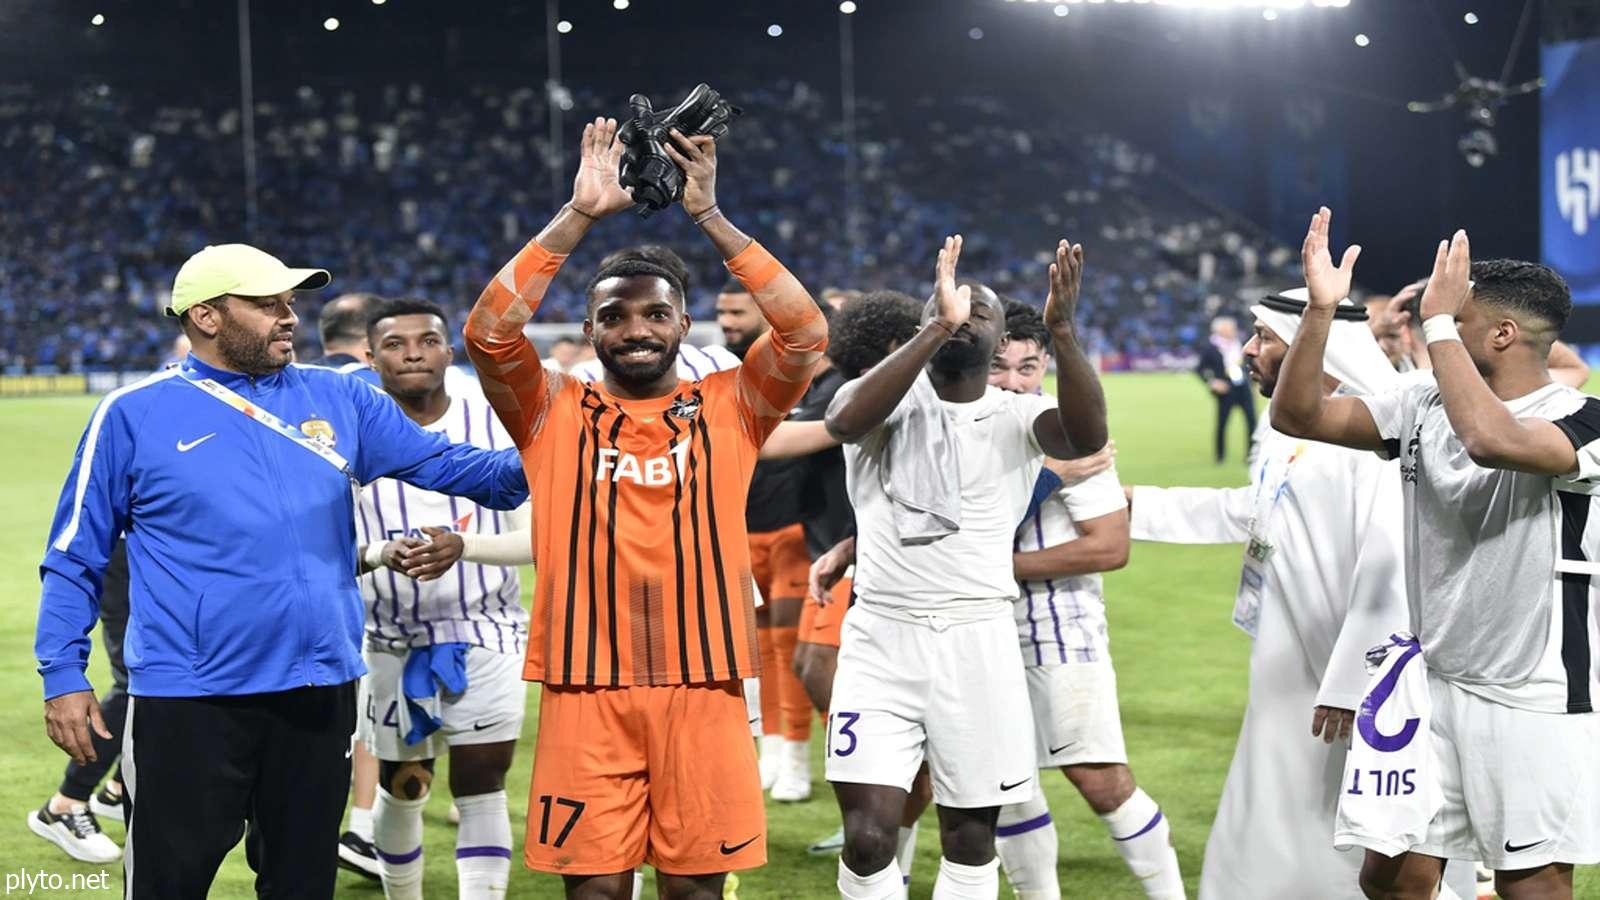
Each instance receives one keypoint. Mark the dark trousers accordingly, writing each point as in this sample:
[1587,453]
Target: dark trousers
[1239,396]
[80,781]
[198,769]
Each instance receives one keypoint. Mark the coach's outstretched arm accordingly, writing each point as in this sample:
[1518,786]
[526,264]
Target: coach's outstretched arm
[1078,427]
[517,386]
[777,368]
[864,404]
[1299,407]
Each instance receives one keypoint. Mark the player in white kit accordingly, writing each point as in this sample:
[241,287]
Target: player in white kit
[445,640]
[940,468]
[1498,466]
[1072,532]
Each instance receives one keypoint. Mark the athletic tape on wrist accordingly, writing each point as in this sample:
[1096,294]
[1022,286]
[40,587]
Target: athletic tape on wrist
[1441,327]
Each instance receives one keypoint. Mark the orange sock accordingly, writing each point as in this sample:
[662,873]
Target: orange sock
[792,699]
[771,671]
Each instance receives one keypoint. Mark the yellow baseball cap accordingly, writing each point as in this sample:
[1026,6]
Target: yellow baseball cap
[238,269]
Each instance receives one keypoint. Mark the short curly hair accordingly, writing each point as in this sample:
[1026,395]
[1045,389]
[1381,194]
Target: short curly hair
[1025,323]
[861,332]
[1529,290]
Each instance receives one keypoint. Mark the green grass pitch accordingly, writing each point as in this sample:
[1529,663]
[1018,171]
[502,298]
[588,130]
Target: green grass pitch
[1181,667]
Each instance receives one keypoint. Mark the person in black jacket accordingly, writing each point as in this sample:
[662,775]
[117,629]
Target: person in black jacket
[1221,367]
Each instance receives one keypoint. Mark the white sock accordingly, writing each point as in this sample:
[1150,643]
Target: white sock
[397,836]
[905,851]
[958,882]
[1144,840]
[638,874]
[483,846]
[1025,840]
[884,884]
[361,822]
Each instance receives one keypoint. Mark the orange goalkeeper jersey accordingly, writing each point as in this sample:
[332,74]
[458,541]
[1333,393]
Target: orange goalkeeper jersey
[639,505]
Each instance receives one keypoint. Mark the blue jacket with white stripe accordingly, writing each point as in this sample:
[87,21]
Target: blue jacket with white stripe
[241,542]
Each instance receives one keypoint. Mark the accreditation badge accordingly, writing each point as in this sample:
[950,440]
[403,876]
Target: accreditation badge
[1259,550]
[1247,606]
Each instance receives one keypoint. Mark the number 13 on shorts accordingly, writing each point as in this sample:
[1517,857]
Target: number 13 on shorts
[841,736]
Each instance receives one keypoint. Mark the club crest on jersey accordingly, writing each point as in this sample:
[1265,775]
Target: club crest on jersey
[685,408]
[319,430]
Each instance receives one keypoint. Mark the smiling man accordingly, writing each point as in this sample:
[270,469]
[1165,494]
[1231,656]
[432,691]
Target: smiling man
[422,615]
[643,620]
[231,475]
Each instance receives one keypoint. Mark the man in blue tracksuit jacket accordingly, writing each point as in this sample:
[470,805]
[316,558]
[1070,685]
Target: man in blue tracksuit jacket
[232,477]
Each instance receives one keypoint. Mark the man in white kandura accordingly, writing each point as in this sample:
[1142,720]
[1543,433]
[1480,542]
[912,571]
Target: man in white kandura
[1320,584]
[1499,466]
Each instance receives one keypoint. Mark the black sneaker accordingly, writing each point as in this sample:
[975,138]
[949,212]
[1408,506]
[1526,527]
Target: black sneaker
[106,805]
[75,832]
[358,856]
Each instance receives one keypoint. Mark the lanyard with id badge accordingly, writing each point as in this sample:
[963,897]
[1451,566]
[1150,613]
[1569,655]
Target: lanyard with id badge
[271,422]
[1253,576]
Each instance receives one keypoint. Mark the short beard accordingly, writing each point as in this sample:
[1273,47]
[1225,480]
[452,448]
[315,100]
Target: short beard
[959,358]
[244,352]
[642,374]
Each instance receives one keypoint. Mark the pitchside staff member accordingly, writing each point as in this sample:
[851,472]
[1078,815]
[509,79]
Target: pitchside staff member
[232,476]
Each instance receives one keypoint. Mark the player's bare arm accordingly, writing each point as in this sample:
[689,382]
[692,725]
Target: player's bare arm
[778,367]
[792,439]
[508,366]
[1071,471]
[1492,436]
[1101,546]
[1077,427]
[866,403]
[1299,407]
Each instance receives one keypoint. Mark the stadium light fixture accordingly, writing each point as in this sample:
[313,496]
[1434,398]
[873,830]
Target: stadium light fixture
[774,30]
[1362,40]
[847,7]
[379,2]
[330,24]
[564,27]
[975,33]
[98,20]
[619,4]
[1271,15]
[1061,9]
[1470,18]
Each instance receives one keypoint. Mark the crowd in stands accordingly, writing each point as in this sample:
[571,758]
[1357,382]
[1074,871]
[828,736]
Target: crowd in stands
[409,191]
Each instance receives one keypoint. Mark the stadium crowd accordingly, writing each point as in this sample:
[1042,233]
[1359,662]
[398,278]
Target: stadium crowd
[375,179]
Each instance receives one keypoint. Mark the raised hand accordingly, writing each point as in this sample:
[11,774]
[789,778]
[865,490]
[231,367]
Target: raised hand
[1066,278]
[1451,280]
[596,193]
[697,157]
[953,304]
[1326,283]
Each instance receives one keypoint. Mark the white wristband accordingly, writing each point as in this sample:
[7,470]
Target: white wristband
[1440,328]
[374,555]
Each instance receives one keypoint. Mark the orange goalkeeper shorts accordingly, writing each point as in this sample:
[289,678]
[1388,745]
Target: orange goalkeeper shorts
[628,775]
